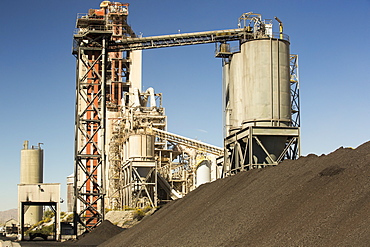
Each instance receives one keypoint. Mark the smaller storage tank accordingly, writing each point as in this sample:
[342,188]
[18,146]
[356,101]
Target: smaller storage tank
[141,148]
[203,172]
[31,164]
[31,172]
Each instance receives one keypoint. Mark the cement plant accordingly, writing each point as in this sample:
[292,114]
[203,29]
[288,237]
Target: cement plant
[126,160]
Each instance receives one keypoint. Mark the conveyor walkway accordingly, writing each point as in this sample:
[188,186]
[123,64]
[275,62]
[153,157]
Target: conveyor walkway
[181,39]
[189,142]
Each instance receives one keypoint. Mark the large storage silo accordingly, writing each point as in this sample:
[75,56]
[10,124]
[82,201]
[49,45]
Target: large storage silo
[31,172]
[257,101]
[259,84]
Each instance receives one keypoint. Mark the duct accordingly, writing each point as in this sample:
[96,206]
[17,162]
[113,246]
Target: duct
[150,91]
[123,101]
[136,98]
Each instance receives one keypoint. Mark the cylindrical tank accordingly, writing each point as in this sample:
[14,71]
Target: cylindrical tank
[257,84]
[203,172]
[141,146]
[257,92]
[31,164]
[32,173]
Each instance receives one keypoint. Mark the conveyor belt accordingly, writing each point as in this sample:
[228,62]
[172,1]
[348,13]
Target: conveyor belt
[181,39]
[189,142]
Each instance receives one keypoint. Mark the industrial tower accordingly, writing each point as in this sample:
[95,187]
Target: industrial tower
[103,75]
[124,155]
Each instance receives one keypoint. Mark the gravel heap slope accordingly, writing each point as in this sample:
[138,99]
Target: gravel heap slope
[312,201]
[103,232]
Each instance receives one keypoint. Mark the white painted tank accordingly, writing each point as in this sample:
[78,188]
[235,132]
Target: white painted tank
[203,172]
[31,172]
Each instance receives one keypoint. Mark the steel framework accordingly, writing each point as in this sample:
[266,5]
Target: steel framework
[90,131]
[102,76]
[294,90]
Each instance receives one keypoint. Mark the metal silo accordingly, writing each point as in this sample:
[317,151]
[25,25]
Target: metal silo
[257,98]
[31,172]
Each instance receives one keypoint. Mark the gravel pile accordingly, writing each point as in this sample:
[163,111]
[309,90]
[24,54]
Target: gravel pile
[103,232]
[312,201]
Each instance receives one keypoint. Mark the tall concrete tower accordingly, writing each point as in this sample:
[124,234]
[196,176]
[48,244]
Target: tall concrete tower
[31,172]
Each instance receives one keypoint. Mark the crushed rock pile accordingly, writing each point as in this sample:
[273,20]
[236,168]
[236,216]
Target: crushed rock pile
[312,201]
[103,232]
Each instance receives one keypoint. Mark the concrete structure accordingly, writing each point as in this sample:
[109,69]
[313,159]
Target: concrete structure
[31,172]
[39,195]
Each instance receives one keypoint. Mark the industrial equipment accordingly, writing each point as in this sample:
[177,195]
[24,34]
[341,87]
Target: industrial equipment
[31,172]
[33,194]
[39,195]
[260,99]
[124,155]
[102,78]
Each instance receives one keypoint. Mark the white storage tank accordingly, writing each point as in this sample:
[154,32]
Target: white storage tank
[31,172]
[203,172]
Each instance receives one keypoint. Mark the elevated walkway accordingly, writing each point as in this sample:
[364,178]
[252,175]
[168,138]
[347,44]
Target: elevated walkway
[201,146]
[181,39]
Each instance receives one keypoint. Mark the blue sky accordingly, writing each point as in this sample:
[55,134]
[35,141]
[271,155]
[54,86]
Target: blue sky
[38,74]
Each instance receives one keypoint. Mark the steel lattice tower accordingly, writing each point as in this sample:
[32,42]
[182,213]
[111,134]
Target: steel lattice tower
[102,76]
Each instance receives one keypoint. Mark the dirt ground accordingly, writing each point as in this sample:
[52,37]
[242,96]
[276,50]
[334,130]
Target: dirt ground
[313,201]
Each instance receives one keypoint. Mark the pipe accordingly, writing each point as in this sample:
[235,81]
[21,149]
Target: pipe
[280,27]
